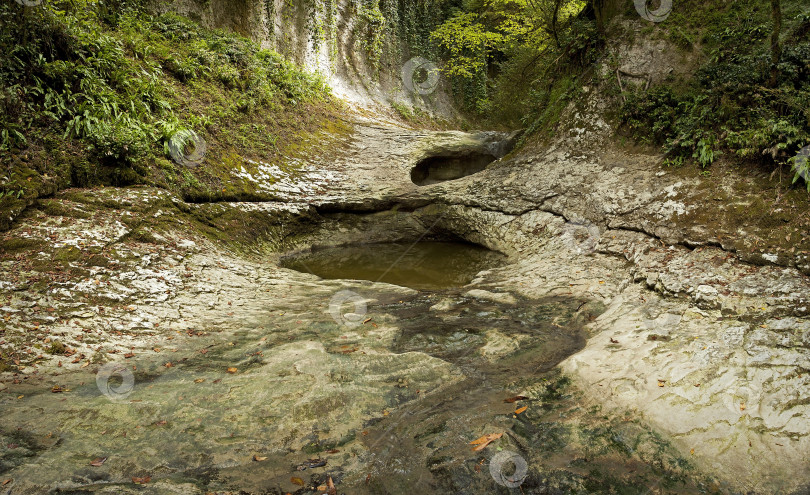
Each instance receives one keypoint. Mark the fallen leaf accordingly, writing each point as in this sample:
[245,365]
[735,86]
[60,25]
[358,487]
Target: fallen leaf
[520,410]
[199,380]
[142,481]
[259,458]
[515,399]
[232,370]
[331,487]
[332,451]
[482,442]
[85,364]
[297,481]
[742,406]
[6,482]
[57,389]
[98,461]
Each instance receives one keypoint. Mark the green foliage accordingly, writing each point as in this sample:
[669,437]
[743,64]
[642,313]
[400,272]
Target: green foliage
[730,105]
[97,74]
[11,186]
[498,51]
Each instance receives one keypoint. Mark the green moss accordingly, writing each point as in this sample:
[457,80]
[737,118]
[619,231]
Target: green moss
[18,245]
[56,347]
[67,254]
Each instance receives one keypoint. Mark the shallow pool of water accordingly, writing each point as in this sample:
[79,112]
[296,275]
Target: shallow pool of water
[421,265]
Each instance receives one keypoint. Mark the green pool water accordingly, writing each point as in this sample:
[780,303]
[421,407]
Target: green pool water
[421,265]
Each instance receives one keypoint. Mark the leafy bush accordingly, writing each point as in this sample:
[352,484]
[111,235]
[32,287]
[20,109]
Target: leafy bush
[731,106]
[95,73]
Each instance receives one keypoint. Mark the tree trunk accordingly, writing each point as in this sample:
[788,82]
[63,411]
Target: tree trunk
[776,48]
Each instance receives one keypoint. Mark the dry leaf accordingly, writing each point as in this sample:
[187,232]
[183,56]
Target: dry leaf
[515,399]
[98,461]
[297,481]
[6,482]
[482,442]
[520,410]
[142,481]
[232,370]
[259,458]
[330,485]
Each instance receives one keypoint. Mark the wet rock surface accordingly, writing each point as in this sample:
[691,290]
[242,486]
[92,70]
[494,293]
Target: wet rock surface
[655,350]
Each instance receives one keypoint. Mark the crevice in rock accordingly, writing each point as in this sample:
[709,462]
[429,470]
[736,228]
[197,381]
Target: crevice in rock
[450,166]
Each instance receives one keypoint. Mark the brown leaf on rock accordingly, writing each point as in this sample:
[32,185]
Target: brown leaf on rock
[259,458]
[520,410]
[141,481]
[297,481]
[482,442]
[515,399]
[232,370]
[98,461]
[330,485]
